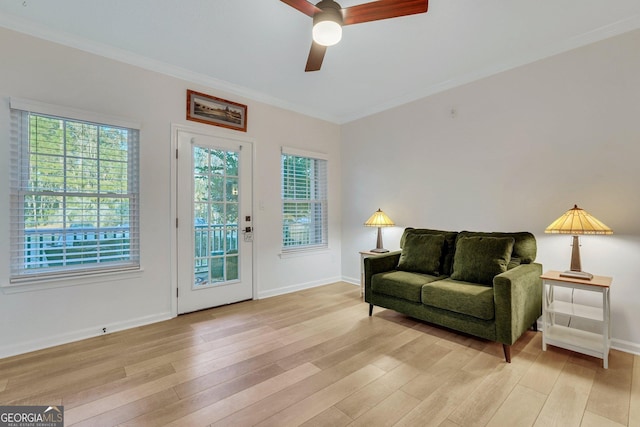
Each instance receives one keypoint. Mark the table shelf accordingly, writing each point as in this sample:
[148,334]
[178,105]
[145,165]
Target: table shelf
[577,340]
[594,344]
[576,310]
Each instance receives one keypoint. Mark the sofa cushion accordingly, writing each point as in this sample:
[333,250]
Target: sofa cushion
[478,258]
[524,247]
[401,284]
[461,297]
[421,253]
[448,250]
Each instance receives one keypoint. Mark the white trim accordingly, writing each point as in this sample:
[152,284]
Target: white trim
[70,113]
[63,281]
[304,251]
[626,346]
[351,280]
[80,334]
[173,208]
[303,153]
[299,287]
[608,31]
[22,25]
[212,133]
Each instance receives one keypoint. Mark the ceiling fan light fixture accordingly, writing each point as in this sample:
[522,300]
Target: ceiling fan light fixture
[327,33]
[327,25]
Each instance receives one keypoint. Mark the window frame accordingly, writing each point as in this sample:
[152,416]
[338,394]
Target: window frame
[19,275]
[320,199]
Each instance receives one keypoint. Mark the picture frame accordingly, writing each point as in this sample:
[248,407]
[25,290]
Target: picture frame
[216,111]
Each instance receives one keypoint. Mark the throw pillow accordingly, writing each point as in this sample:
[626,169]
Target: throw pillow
[515,261]
[421,253]
[479,259]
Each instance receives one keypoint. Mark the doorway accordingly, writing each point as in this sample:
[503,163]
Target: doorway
[214,221]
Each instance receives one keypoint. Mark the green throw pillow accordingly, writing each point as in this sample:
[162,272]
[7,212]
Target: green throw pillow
[515,261]
[421,253]
[480,259]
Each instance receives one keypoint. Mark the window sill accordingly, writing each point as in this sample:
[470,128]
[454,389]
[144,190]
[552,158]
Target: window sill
[304,252]
[63,282]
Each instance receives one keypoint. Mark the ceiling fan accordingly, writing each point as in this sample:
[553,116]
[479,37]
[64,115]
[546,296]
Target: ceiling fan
[329,18]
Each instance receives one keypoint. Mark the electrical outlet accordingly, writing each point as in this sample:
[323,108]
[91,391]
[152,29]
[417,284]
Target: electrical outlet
[104,330]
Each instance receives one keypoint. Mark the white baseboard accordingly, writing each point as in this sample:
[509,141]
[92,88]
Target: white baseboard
[352,280]
[298,287]
[626,346]
[50,341]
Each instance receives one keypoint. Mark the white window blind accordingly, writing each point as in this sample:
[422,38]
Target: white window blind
[304,200]
[74,194]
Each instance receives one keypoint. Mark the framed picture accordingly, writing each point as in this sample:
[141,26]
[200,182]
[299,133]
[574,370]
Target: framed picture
[208,109]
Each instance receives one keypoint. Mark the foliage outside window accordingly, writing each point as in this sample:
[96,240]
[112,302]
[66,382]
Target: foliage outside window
[74,197]
[304,200]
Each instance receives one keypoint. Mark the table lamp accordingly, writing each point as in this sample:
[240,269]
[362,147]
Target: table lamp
[577,221]
[379,219]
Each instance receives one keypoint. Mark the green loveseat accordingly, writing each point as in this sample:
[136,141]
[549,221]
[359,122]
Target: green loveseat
[482,284]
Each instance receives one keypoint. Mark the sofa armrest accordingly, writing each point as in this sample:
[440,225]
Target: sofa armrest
[378,264]
[518,301]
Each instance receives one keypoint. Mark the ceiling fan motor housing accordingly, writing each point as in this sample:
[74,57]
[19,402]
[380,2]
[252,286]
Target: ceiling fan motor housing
[331,11]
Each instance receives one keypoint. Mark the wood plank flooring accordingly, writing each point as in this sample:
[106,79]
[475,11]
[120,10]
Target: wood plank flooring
[315,358]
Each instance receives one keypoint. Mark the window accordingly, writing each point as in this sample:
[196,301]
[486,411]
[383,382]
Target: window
[74,194]
[304,200]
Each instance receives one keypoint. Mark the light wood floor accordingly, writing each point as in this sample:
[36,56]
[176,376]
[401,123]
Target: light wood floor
[315,358]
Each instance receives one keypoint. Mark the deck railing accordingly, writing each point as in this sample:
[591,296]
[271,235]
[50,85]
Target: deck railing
[212,243]
[54,247]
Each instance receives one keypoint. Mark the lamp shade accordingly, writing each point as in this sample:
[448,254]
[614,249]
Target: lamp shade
[379,219]
[577,221]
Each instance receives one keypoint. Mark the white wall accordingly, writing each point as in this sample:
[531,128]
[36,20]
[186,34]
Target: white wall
[35,69]
[513,152]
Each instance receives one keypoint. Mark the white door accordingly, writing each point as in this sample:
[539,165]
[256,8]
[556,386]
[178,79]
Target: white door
[215,235]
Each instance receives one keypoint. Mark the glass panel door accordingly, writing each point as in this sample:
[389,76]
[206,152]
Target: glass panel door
[215,221]
[215,207]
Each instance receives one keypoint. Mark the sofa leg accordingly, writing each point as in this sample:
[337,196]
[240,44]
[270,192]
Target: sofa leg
[507,352]
[370,309]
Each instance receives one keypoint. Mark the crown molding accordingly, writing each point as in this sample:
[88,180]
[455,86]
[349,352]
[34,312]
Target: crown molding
[121,55]
[626,25]
[23,26]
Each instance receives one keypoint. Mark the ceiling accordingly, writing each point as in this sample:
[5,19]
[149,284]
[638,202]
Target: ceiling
[258,48]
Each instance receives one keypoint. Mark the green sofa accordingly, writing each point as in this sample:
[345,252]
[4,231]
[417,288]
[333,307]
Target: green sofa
[482,284]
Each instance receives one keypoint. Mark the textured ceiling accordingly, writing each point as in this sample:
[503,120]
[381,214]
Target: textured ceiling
[258,48]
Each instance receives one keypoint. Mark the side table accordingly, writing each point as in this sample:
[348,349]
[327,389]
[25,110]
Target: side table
[590,343]
[363,255]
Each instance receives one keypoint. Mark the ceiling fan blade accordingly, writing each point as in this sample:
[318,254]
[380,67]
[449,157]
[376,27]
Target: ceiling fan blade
[316,55]
[382,9]
[303,6]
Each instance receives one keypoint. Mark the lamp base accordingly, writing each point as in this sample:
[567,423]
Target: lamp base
[379,250]
[577,275]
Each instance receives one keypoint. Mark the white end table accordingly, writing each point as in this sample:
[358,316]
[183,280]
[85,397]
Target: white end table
[593,344]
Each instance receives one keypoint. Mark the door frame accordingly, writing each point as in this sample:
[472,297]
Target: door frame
[250,142]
